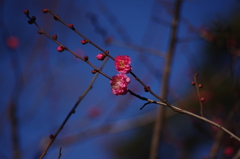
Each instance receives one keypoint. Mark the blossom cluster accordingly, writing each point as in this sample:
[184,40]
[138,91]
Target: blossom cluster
[120,81]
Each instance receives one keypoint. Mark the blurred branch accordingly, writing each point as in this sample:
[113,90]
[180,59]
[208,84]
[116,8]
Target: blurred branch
[113,21]
[198,93]
[237,155]
[188,39]
[110,128]
[128,42]
[128,45]
[22,76]
[161,21]
[127,124]
[14,130]
[197,116]
[161,110]
[32,20]
[216,145]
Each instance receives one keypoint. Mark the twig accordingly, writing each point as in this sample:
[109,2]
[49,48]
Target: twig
[14,129]
[72,111]
[204,119]
[110,128]
[237,155]
[60,153]
[216,145]
[125,37]
[80,34]
[165,79]
[126,124]
[77,56]
[183,111]
[95,45]
[198,93]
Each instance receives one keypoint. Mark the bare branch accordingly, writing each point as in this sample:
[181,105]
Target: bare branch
[72,110]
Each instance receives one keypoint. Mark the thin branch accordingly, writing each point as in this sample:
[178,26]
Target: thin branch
[107,54]
[237,155]
[183,111]
[60,153]
[80,34]
[127,124]
[165,80]
[110,128]
[132,46]
[14,129]
[77,56]
[198,93]
[203,119]
[216,145]
[161,21]
[72,111]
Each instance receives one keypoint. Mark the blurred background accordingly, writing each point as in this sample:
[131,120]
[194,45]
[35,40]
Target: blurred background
[39,85]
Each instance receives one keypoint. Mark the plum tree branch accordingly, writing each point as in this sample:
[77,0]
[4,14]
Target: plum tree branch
[72,111]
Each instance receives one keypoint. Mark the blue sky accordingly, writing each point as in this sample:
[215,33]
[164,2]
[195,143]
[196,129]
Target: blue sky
[54,80]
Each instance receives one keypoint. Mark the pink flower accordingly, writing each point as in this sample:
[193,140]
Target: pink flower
[119,84]
[122,64]
[100,56]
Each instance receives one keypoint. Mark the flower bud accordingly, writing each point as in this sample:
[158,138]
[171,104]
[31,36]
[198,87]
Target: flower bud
[60,48]
[71,26]
[100,56]
[56,17]
[94,71]
[40,32]
[146,90]
[33,18]
[200,86]
[30,21]
[84,41]
[26,12]
[54,36]
[45,10]
[51,136]
[85,58]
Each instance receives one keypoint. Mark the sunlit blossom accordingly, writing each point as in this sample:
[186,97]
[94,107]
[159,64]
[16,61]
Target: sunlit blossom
[119,84]
[122,64]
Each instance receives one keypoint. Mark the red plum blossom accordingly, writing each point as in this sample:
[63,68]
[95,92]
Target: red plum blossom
[122,64]
[119,84]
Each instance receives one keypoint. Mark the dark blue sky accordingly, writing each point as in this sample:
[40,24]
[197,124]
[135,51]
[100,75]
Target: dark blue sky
[53,81]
